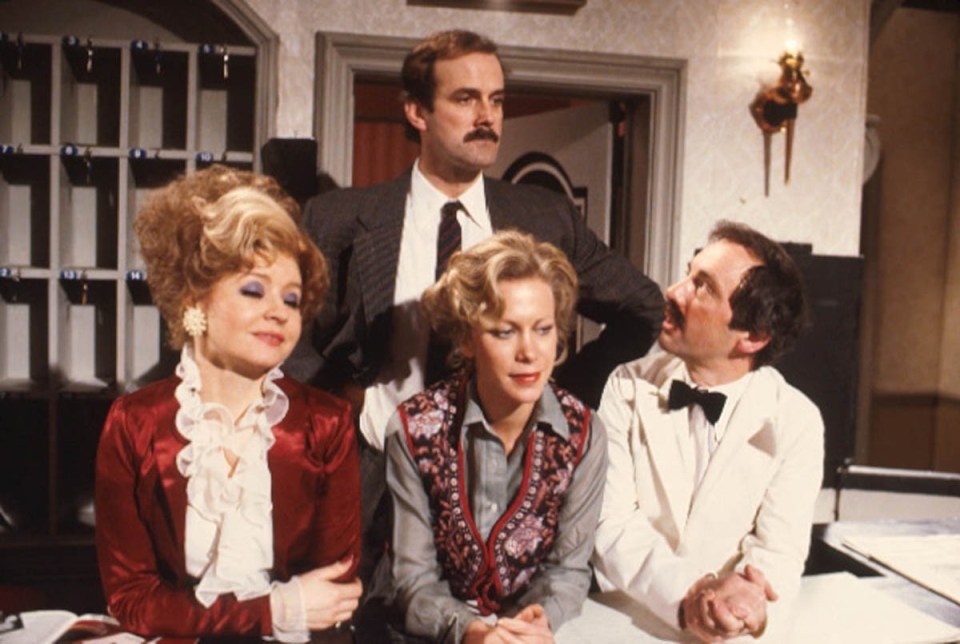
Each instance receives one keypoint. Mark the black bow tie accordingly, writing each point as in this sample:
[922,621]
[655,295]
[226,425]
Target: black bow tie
[683,395]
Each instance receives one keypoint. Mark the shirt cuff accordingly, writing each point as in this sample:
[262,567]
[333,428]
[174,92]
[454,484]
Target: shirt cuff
[286,608]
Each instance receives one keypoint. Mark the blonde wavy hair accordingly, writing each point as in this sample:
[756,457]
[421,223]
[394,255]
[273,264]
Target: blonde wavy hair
[467,295]
[215,222]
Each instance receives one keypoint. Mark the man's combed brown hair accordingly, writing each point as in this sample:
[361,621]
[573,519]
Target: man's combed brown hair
[467,295]
[417,75]
[770,300]
[215,222]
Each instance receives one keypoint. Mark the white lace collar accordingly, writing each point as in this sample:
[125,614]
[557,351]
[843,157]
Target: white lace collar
[229,527]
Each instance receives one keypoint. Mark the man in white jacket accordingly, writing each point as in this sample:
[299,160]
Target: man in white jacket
[715,461]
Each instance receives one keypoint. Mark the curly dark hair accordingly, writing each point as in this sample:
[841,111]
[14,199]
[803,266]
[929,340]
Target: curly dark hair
[419,81]
[206,225]
[770,299]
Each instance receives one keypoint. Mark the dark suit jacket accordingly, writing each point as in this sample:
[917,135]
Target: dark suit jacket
[141,501]
[359,232]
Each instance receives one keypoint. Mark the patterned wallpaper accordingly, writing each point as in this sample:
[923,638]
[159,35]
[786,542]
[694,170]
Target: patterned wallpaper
[730,46]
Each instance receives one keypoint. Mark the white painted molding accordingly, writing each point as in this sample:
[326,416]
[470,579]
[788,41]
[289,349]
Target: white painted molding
[267,43]
[343,57]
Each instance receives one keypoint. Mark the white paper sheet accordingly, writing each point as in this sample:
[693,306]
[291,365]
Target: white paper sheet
[932,560]
[839,608]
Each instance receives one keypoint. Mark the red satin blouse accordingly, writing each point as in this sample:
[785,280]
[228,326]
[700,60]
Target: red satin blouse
[141,510]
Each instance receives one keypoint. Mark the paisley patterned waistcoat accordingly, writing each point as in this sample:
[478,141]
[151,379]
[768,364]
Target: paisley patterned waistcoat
[493,571]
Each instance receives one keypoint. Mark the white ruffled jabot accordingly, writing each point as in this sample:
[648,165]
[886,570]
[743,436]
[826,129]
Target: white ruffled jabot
[229,526]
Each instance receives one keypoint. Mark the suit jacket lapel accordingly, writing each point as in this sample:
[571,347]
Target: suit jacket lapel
[509,211]
[285,482]
[377,247]
[662,427]
[497,204]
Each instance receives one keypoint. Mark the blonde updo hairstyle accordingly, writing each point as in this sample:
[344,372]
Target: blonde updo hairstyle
[467,295]
[215,222]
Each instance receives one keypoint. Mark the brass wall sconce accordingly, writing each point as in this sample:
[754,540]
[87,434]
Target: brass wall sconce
[775,110]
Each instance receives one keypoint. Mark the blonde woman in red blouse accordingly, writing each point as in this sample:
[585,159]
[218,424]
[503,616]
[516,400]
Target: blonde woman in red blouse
[227,496]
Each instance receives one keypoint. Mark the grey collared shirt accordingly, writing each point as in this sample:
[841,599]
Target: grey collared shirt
[493,479]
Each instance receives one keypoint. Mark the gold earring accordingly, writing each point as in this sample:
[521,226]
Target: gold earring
[194,321]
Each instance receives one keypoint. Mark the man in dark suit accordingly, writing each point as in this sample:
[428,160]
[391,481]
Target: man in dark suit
[454,92]
[381,242]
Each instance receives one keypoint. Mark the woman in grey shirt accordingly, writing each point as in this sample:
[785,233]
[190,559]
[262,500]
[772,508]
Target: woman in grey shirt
[496,474]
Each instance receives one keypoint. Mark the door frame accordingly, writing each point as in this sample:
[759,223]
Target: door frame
[341,57]
[267,43]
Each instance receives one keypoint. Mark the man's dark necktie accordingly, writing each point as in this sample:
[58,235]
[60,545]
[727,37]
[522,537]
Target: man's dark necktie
[448,236]
[683,395]
[448,242]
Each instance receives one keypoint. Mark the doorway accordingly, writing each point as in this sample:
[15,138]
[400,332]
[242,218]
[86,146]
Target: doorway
[571,144]
[574,145]
[649,92]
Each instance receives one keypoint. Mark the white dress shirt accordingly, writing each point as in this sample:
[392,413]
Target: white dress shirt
[402,375]
[228,542]
[229,526]
[698,444]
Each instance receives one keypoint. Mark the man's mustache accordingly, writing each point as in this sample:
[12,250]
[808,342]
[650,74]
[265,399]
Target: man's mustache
[481,133]
[673,312]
